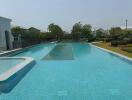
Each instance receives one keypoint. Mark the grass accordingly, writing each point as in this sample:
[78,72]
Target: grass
[115,49]
[127,49]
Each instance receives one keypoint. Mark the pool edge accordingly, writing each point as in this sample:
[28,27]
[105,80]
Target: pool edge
[13,76]
[115,53]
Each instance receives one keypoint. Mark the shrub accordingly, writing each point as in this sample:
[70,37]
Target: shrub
[107,39]
[100,39]
[123,42]
[114,43]
[127,49]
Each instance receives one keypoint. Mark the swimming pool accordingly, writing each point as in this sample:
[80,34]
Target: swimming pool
[87,73]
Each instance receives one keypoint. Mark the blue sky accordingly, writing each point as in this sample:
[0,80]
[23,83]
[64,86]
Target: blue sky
[40,13]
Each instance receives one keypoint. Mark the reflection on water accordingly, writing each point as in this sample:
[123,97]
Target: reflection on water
[40,47]
[82,50]
[36,48]
[60,52]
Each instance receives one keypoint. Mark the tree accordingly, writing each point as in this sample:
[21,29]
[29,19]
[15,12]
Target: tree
[56,31]
[46,36]
[100,33]
[76,31]
[116,32]
[82,31]
[16,31]
[77,28]
[33,34]
[86,31]
[27,36]
[122,36]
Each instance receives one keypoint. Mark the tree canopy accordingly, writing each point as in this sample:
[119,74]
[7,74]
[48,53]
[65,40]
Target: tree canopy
[56,31]
[81,31]
[86,30]
[100,33]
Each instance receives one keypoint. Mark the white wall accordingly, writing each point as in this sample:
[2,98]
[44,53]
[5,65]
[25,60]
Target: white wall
[5,26]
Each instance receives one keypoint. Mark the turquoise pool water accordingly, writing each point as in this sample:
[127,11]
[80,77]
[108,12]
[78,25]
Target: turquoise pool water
[60,52]
[92,75]
[6,64]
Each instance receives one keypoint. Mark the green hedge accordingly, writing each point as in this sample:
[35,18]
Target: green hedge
[128,49]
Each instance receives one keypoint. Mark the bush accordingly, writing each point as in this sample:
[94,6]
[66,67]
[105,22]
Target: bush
[107,39]
[100,39]
[91,38]
[104,39]
[123,42]
[114,43]
[127,49]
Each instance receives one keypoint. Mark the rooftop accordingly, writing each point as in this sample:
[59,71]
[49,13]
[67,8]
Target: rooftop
[3,18]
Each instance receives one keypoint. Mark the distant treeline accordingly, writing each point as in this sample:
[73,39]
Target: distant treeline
[79,32]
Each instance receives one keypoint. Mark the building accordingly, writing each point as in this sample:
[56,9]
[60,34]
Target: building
[34,30]
[6,37]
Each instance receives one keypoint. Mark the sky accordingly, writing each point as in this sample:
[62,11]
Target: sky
[40,13]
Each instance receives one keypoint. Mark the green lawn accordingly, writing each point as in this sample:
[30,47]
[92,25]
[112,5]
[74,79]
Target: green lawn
[115,49]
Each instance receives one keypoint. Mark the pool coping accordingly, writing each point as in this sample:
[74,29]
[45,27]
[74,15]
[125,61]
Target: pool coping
[4,53]
[115,53]
[6,75]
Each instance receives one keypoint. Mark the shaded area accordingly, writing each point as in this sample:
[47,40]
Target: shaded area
[60,52]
